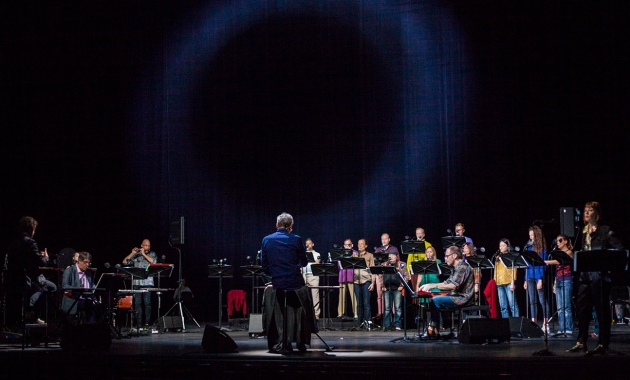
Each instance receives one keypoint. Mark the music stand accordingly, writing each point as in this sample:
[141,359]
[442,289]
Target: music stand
[381,257]
[220,272]
[336,254]
[134,273]
[412,247]
[448,241]
[353,263]
[513,260]
[158,269]
[601,260]
[445,269]
[423,267]
[110,283]
[253,271]
[325,270]
[479,262]
[388,269]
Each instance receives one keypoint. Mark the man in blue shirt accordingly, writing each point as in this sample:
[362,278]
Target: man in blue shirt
[283,256]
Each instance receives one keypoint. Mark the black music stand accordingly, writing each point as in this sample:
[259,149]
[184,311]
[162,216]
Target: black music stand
[412,247]
[423,267]
[445,269]
[381,257]
[111,281]
[336,254]
[479,262]
[134,273]
[325,270]
[354,263]
[448,241]
[159,269]
[513,260]
[253,271]
[387,269]
[602,260]
[220,272]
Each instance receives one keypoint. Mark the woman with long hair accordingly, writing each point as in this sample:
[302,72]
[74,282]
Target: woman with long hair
[534,276]
[468,249]
[505,278]
[563,287]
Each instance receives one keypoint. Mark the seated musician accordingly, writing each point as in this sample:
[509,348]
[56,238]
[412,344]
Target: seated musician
[461,284]
[78,276]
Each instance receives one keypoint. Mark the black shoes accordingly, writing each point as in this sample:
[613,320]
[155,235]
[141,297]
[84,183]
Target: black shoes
[599,350]
[579,347]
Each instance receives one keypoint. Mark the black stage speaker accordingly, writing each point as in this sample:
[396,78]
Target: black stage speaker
[170,323]
[568,219]
[483,330]
[216,341]
[255,324]
[86,337]
[521,327]
[177,231]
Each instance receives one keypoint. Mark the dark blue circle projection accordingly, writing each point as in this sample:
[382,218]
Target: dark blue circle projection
[316,108]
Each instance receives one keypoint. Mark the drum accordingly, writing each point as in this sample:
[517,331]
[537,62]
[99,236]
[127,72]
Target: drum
[125,302]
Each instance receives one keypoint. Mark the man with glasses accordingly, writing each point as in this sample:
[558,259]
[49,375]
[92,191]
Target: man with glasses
[461,284]
[75,276]
[459,231]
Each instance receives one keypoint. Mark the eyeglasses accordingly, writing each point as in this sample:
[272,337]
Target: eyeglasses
[450,254]
[560,240]
[459,230]
[87,263]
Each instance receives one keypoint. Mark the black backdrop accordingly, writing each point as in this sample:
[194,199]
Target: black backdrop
[357,119]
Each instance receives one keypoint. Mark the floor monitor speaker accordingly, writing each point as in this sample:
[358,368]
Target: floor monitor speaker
[521,327]
[484,330]
[216,341]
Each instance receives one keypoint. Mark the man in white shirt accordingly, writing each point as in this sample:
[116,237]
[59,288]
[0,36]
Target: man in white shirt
[311,280]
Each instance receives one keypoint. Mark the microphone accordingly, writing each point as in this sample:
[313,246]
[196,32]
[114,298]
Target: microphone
[407,237]
[482,249]
[448,231]
[163,258]
[117,266]
[107,265]
[249,258]
[336,246]
[517,249]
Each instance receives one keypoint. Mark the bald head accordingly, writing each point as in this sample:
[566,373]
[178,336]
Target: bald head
[385,239]
[146,245]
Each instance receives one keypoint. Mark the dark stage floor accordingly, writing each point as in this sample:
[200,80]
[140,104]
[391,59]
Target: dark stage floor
[364,354]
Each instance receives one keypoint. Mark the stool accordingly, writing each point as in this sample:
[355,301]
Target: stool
[31,326]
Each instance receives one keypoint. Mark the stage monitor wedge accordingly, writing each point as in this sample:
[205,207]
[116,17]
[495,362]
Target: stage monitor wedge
[177,231]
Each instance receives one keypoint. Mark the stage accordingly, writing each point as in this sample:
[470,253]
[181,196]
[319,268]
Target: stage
[364,354]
